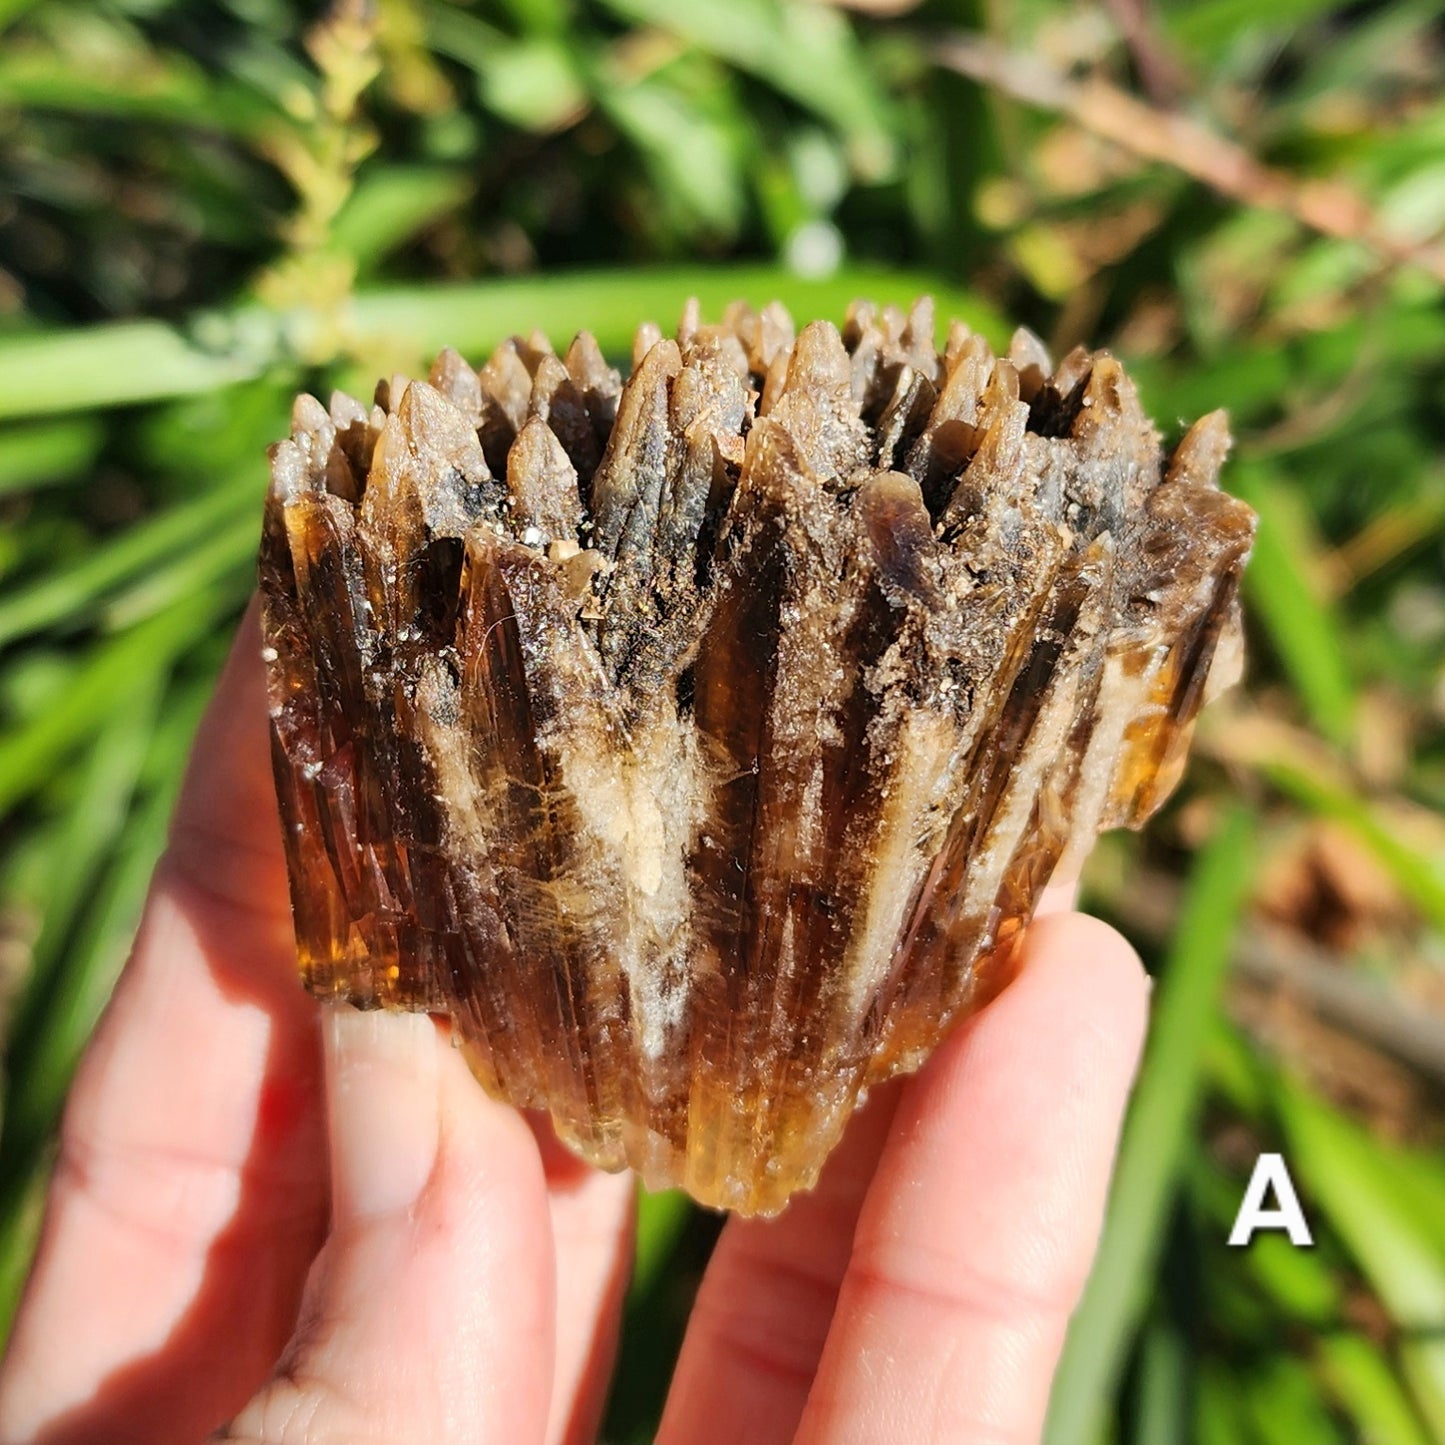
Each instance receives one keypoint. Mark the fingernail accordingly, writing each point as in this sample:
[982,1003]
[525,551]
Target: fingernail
[383,1083]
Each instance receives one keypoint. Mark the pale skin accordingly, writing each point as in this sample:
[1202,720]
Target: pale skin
[282,1223]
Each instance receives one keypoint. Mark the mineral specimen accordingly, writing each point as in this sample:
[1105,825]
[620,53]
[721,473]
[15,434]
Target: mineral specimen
[701,744]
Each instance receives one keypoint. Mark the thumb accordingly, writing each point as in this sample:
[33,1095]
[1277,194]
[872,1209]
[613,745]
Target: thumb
[427,1315]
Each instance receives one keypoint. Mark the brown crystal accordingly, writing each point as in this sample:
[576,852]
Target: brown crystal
[701,745]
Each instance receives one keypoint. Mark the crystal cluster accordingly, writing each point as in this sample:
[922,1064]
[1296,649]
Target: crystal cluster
[701,743]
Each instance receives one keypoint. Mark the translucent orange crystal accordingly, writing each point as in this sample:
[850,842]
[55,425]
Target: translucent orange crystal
[701,745]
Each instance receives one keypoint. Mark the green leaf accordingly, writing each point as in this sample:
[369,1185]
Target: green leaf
[540,16]
[1283,1405]
[226,561]
[1301,1283]
[1161,1409]
[391,204]
[1156,1135]
[1213,26]
[1298,1282]
[694,156]
[535,81]
[19,1234]
[1218,1416]
[70,592]
[28,755]
[138,85]
[44,453]
[90,834]
[86,833]
[611,304]
[1364,1383]
[43,1061]
[807,51]
[1357,53]
[1336,1164]
[661,1219]
[127,362]
[14,9]
[1418,1180]
[535,84]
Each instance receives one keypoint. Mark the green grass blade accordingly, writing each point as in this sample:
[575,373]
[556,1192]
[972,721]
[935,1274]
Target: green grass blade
[127,362]
[693,154]
[80,990]
[1337,1166]
[1361,1379]
[28,756]
[1284,1407]
[19,1234]
[228,559]
[808,52]
[100,953]
[83,838]
[13,9]
[48,1027]
[1216,25]
[1155,1136]
[533,80]
[392,204]
[154,86]
[122,362]
[47,452]
[69,594]
[1418,1181]
[661,1219]
[1296,1281]
[610,304]
[94,955]
[43,1060]
[1299,1283]
[1218,1419]
[654,1315]
[1161,1409]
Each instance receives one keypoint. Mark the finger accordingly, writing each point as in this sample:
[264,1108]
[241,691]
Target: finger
[766,1301]
[977,1234]
[190,1190]
[428,1315]
[592,1219]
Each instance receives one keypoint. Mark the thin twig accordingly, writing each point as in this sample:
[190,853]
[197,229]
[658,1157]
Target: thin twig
[1270,956]
[1175,140]
[1159,72]
[1389,535]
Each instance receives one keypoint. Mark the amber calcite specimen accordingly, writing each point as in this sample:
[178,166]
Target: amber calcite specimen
[701,743]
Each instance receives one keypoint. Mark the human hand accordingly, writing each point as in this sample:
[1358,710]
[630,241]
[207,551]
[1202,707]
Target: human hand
[396,1258]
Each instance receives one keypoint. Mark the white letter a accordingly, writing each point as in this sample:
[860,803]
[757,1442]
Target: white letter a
[1270,1172]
